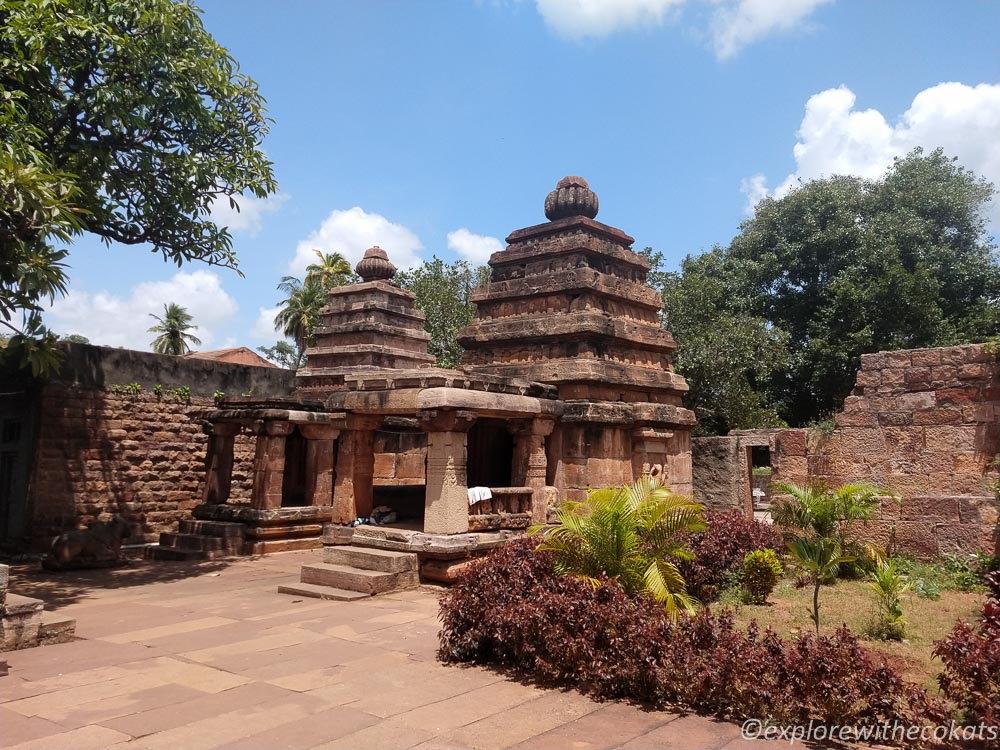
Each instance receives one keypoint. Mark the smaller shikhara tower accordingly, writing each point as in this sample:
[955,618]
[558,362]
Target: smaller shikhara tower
[567,304]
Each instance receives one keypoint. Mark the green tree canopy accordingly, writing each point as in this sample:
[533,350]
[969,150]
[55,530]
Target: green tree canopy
[443,293]
[173,330]
[837,268]
[123,118]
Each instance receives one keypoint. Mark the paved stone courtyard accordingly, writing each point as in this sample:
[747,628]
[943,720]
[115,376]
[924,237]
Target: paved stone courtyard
[183,655]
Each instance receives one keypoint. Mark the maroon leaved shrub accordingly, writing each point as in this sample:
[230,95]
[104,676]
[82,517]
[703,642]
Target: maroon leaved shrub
[512,611]
[971,658]
[720,549]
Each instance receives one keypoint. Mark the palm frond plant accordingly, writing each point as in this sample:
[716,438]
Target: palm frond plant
[888,584]
[631,533]
[299,313]
[331,270]
[821,512]
[173,330]
[819,558]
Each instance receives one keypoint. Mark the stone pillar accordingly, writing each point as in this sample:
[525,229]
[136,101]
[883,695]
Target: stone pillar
[530,449]
[269,464]
[352,494]
[446,502]
[219,461]
[320,461]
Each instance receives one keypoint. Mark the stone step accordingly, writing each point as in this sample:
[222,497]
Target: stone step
[356,579]
[231,545]
[315,591]
[384,561]
[56,628]
[156,552]
[222,529]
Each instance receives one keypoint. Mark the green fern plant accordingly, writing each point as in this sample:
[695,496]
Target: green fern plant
[631,533]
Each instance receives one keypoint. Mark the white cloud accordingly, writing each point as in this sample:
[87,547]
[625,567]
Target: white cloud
[578,19]
[737,23]
[263,327]
[835,138]
[250,216]
[476,248]
[755,189]
[353,231]
[111,320]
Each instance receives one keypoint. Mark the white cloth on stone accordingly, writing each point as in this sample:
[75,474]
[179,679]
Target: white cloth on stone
[479,493]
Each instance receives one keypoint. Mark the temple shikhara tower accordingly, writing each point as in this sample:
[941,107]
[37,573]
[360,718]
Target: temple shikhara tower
[566,383]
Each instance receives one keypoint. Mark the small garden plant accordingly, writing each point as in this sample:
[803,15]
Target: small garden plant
[761,573]
[888,584]
[632,534]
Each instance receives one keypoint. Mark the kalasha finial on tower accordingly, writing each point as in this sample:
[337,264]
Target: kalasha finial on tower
[572,197]
[375,266]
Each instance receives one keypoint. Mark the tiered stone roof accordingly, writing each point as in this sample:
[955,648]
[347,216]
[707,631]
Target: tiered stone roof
[370,326]
[567,304]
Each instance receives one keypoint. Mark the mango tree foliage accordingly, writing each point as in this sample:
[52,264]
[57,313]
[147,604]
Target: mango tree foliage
[726,353]
[122,118]
[840,267]
[443,293]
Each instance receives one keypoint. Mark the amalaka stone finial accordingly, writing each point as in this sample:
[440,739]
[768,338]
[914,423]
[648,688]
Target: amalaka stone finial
[375,266]
[572,197]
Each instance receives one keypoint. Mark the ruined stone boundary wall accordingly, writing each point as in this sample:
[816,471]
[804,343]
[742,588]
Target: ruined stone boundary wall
[98,452]
[924,423]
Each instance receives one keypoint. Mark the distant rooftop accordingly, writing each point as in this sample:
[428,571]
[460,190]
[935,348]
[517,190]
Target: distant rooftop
[239,355]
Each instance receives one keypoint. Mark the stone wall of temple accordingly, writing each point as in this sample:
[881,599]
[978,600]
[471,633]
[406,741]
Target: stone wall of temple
[99,453]
[92,447]
[923,423]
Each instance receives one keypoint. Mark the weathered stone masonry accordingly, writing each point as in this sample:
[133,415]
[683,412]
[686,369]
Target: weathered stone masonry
[923,423]
[94,452]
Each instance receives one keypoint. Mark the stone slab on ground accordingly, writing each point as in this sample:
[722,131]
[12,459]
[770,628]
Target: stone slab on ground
[211,656]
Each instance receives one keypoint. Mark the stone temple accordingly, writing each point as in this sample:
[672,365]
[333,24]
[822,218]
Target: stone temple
[566,383]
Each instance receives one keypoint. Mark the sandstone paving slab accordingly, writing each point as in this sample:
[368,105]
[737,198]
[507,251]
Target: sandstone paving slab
[202,707]
[160,631]
[16,728]
[217,636]
[75,656]
[522,722]
[172,670]
[94,737]
[691,731]
[125,704]
[229,727]
[466,708]
[305,658]
[272,640]
[418,639]
[279,660]
[385,735]
[414,684]
[15,688]
[321,727]
[611,726]
[110,619]
[51,704]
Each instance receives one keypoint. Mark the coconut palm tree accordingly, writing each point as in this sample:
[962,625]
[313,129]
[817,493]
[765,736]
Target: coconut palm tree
[173,330]
[299,313]
[332,270]
[630,533]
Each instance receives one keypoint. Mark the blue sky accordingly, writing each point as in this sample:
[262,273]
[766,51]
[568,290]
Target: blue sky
[437,127]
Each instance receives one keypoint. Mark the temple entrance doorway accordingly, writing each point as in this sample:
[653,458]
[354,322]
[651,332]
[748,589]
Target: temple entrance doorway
[490,454]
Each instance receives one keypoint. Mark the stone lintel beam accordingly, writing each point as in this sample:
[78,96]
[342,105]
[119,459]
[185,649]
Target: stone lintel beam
[446,420]
[249,416]
[221,429]
[407,401]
